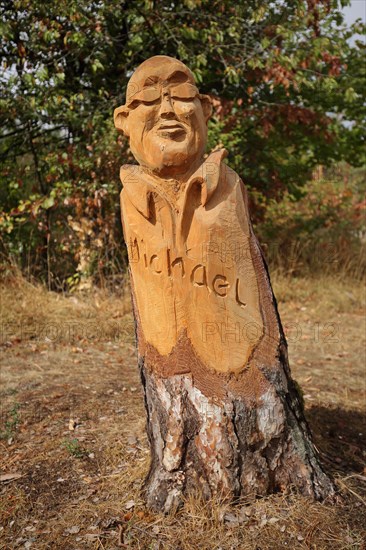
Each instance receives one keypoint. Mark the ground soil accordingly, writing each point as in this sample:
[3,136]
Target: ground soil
[74,451]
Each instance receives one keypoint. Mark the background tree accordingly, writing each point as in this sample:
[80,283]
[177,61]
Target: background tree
[287,88]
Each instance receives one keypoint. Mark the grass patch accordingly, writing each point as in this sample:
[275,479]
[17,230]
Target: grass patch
[74,448]
[11,423]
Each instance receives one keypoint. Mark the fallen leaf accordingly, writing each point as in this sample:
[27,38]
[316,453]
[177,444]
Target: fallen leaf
[10,476]
[74,530]
[263,522]
[233,519]
[72,424]
[129,504]
[91,536]
[273,520]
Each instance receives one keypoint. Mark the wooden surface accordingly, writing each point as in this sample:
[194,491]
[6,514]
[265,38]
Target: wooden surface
[223,414]
[192,269]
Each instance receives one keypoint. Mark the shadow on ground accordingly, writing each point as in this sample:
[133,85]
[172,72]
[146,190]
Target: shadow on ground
[340,436]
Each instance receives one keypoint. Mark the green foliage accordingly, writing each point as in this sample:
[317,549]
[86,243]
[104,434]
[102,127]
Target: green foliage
[323,231]
[11,423]
[74,448]
[287,87]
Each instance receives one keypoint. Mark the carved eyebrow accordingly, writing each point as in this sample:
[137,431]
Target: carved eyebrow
[151,80]
[177,77]
[185,90]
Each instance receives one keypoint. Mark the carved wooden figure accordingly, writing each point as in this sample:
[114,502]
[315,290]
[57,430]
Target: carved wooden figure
[223,413]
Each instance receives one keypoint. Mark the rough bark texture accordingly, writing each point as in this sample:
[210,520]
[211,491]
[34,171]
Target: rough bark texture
[230,446]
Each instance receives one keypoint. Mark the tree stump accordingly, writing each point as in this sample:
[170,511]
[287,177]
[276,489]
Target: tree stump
[223,413]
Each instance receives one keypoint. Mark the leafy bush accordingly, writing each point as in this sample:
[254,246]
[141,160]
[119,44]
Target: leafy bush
[323,230]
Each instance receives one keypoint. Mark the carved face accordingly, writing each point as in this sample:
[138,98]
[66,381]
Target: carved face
[165,117]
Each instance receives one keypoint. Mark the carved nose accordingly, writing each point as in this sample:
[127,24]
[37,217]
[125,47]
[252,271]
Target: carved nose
[166,109]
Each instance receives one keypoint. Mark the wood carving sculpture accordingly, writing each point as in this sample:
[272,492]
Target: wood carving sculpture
[223,413]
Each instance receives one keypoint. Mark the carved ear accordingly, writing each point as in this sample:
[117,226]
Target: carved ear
[206,106]
[121,119]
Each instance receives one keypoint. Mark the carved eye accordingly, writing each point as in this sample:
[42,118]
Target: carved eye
[147,96]
[185,92]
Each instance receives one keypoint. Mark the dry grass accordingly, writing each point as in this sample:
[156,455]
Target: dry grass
[328,294]
[80,488]
[30,313]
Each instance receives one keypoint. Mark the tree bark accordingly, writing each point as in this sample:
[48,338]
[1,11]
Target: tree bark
[233,445]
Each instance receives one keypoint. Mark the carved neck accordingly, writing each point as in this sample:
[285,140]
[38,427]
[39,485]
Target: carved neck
[168,176]
[171,188]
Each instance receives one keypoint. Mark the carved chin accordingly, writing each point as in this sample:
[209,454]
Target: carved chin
[173,158]
[162,153]
[169,154]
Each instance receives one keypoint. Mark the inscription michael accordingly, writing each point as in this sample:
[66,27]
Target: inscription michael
[164,264]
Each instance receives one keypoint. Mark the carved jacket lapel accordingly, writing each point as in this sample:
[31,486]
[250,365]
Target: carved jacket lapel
[141,188]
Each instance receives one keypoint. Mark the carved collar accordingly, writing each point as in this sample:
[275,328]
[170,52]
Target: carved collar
[139,185]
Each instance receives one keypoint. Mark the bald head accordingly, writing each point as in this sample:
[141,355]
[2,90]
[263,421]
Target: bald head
[165,116]
[160,69]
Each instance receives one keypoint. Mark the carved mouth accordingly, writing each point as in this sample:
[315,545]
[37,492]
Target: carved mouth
[172,131]
[171,127]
